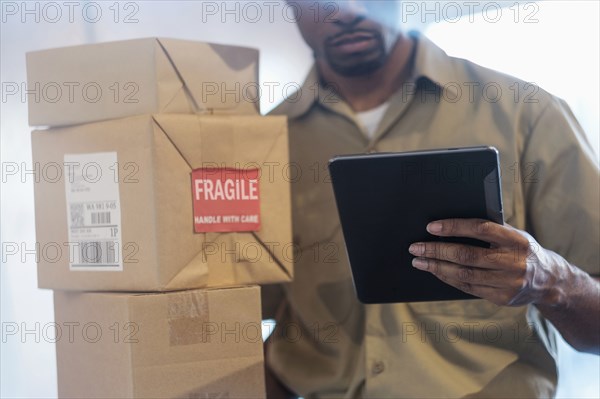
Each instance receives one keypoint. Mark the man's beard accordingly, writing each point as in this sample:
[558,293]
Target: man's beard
[372,60]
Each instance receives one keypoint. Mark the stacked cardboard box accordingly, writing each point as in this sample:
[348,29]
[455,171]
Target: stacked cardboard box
[175,201]
[184,344]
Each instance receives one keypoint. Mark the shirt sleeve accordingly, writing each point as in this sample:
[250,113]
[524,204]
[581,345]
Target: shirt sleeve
[561,183]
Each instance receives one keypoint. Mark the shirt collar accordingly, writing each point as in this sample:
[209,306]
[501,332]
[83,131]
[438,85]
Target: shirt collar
[431,62]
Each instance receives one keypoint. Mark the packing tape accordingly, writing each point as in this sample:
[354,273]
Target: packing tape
[188,318]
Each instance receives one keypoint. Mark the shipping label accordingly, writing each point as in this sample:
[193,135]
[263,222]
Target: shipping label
[93,211]
[226,200]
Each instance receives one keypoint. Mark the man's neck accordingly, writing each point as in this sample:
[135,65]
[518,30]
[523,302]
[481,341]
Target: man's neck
[366,92]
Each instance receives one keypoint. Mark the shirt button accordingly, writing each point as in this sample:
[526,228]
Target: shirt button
[378,367]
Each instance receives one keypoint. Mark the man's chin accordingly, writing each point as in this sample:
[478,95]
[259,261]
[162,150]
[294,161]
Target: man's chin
[364,68]
[360,64]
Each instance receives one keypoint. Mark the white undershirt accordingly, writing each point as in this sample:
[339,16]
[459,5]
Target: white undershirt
[370,119]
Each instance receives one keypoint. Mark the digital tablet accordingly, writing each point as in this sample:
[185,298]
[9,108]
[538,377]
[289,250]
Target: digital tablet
[385,202]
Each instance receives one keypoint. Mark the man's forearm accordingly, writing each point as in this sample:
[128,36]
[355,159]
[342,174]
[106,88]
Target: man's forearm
[573,307]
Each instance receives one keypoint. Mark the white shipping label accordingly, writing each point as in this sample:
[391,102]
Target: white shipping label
[93,211]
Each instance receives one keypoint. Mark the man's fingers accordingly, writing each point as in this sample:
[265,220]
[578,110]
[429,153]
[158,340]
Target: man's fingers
[483,283]
[498,296]
[447,271]
[481,229]
[457,253]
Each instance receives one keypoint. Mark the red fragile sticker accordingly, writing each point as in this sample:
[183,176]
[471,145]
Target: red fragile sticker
[225,200]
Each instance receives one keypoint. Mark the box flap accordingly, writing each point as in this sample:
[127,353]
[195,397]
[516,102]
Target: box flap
[175,96]
[226,141]
[178,255]
[219,78]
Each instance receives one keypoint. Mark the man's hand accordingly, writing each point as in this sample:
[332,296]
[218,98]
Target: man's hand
[515,271]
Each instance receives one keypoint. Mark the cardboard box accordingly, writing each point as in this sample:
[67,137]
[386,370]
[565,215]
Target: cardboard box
[186,344]
[115,203]
[89,83]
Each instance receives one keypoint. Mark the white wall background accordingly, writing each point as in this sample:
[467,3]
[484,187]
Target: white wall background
[560,52]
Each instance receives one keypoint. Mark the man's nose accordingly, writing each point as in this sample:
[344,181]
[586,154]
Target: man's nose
[353,6]
[350,12]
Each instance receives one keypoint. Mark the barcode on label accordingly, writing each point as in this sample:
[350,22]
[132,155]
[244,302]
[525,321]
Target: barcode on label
[100,217]
[96,253]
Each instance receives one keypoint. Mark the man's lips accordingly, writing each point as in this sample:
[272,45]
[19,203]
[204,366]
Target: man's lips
[351,37]
[352,42]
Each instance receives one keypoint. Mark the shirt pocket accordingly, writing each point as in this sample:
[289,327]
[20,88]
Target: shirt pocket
[468,309]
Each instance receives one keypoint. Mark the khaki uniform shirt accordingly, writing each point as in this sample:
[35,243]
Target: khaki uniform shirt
[327,344]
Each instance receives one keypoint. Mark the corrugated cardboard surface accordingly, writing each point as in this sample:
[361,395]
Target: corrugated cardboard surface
[95,82]
[187,344]
[156,202]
